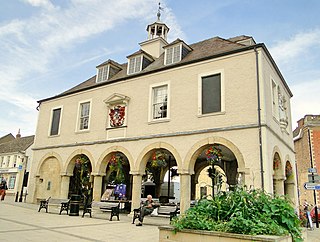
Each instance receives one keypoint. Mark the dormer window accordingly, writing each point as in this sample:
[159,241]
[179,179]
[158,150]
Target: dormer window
[102,74]
[138,61]
[107,70]
[175,52]
[135,64]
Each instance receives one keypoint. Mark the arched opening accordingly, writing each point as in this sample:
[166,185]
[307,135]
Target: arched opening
[161,178]
[117,183]
[215,170]
[81,180]
[289,184]
[277,175]
[48,183]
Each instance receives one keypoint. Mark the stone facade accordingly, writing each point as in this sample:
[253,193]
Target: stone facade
[250,126]
[307,148]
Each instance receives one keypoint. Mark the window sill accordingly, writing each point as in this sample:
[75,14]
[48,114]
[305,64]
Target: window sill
[211,114]
[53,136]
[120,127]
[160,120]
[82,131]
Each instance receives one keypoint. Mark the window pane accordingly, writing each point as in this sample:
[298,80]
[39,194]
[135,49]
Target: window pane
[176,54]
[138,64]
[55,121]
[169,55]
[159,104]
[211,94]
[132,63]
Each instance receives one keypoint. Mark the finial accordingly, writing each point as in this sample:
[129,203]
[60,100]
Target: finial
[159,9]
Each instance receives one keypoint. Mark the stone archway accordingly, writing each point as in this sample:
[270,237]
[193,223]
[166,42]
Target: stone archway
[221,167]
[139,170]
[278,177]
[188,170]
[289,185]
[48,181]
[107,167]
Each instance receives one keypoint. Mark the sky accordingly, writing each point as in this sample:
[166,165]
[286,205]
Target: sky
[49,46]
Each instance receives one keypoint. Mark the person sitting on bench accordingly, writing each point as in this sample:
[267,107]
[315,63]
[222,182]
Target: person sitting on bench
[146,209]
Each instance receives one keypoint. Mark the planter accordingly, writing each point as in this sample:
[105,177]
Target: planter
[166,234]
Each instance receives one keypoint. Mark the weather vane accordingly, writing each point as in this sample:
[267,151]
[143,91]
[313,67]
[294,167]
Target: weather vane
[159,9]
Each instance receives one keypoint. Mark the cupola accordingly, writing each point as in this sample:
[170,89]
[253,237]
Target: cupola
[157,37]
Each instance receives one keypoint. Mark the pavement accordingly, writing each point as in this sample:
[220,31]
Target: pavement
[21,222]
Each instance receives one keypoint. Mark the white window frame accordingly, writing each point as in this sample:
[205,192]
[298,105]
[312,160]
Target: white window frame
[102,73]
[135,68]
[60,121]
[78,125]
[151,97]
[173,60]
[200,76]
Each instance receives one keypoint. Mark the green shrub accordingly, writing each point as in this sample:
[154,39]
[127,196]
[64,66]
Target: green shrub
[244,212]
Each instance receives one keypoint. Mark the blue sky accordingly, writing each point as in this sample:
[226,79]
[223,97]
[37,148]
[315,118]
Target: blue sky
[49,46]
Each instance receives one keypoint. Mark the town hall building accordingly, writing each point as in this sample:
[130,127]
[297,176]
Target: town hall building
[168,110]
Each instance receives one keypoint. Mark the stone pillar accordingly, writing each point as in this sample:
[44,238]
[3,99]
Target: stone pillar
[64,187]
[97,187]
[185,191]
[136,190]
[279,185]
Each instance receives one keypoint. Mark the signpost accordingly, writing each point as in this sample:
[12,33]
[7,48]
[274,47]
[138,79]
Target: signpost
[312,186]
[312,170]
[313,178]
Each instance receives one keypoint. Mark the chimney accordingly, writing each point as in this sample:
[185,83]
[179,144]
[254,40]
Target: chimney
[300,123]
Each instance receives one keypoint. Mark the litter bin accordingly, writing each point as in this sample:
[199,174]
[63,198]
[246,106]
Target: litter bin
[74,205]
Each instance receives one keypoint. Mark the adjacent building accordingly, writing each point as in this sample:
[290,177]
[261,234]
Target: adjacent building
[15,163]
[307,148]
[170,103]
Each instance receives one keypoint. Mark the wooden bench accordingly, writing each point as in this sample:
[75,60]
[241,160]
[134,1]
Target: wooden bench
[63,203]
[106,206]
[168,211]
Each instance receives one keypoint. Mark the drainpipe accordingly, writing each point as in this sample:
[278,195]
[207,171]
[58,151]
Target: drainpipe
[259,119]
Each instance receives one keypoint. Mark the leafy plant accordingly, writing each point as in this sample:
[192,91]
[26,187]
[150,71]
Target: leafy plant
[244,212]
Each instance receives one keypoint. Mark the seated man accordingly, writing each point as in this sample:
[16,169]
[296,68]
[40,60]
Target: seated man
[146,209]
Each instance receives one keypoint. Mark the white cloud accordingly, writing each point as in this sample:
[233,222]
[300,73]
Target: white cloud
[299,44]
[30,46]
[305,100]
[40,3]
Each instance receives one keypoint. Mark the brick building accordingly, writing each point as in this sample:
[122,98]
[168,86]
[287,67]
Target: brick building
[307,148]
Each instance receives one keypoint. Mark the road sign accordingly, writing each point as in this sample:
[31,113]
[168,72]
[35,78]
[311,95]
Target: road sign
[316,178]
[312,170]
[312,186]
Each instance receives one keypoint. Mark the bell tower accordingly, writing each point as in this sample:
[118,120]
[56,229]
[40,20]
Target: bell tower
[157,37]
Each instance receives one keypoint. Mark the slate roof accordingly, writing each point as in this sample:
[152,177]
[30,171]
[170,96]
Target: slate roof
[206,49]
[17,144]
[6,138]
